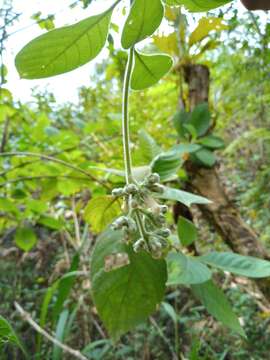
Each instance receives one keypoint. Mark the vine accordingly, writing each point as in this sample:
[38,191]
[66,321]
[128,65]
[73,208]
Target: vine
[139,242]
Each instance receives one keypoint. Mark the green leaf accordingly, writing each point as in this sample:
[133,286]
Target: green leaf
[217,305]
[169,309]
[186,270]
[25,238]
[148,146]
[144,18]
[197,5]
[212,142]
[187,231]
[100,211]
[149,69]
[50,222]
[238,264]
[204,157]
[183,149]
[166,165]
[7,334]
[125,296]
[8,206]
[60,334]
[64,287]
[201,118]
[37,206]
[183,197]
[181,118]
[64,49]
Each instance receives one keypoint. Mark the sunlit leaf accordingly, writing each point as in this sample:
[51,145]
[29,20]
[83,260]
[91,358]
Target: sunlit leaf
[197,5]
[205,26]
[149,69]
[148,146]
[51,222]
[25,238]
[64,49]
[144,18]
[167,43]
[100,212]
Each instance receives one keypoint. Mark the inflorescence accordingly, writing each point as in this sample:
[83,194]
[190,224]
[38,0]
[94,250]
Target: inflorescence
[144,216]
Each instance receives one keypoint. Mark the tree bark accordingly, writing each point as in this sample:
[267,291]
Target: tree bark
[222,213]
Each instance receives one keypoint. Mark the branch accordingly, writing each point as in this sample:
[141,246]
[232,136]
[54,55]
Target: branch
[26,316]
[40,177]
[56,160]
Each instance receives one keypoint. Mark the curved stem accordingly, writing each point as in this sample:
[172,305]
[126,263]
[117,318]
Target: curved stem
[125,118]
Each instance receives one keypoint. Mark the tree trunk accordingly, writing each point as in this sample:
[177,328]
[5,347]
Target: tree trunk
[222,213]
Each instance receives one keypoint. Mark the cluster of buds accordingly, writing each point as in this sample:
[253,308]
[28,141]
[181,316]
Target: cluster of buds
[152,183]
[130,189]
[127,224]
[144,216]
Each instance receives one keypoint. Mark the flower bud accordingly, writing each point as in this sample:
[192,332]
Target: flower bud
[131,189]
[118,192]
[139,245]
[163,209]
[134,204]
[160,219]
[120,222]
[153,178]
[165,233]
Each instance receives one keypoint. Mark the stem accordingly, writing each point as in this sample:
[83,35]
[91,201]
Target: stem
[25,316]
[56,160]
[125,118]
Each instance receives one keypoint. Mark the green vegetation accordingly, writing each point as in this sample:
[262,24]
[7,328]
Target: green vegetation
[128,217]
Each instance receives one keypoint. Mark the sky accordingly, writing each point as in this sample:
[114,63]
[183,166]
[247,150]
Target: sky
[63,86]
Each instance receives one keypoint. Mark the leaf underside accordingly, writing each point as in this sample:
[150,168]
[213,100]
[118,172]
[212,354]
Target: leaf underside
[64,49]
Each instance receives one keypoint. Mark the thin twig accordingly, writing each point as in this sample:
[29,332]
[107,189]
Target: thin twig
[26,316]
[56,160]
[40,177]
[76,223]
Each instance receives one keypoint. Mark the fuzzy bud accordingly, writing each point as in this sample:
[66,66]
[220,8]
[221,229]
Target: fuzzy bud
[139,245]
[134,204]
[165,233]
[120,223]
[153,178]
[118,192]
[160,219]
[131,189]
[163,209]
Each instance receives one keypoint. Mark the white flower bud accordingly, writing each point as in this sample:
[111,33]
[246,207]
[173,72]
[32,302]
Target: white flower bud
[131,189]
[139,245]
[118,192]
[153,178]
